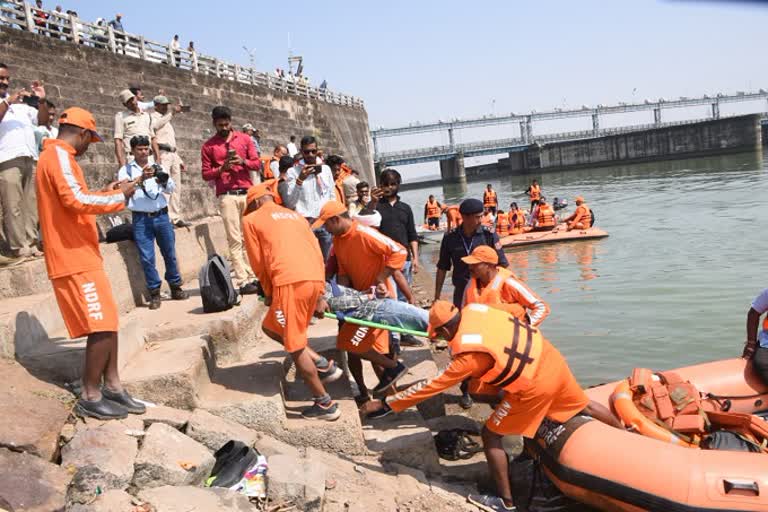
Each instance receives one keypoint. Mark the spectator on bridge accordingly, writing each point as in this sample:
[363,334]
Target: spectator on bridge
[150,220]
[40,17]
[165,136]
[117,26]
[227,159]
[99,34]
[18,118]
[128,124]
[310,186]
[176,50]
[292,149]
[55,22]
[47,130]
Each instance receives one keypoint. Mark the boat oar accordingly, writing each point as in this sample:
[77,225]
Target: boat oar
[374,325]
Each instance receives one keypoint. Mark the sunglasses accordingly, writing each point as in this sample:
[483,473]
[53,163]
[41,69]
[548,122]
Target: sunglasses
[309,151]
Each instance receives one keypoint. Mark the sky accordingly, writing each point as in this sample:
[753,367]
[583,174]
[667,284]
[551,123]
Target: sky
[426,60]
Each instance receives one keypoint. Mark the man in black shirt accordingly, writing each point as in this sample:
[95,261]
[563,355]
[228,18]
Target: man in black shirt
[397,223]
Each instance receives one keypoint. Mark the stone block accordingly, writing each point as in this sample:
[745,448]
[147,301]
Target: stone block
[187,499]
[31,484]
[110,501]
[32,413]
[403,438]
[269,447]
[176,418]
[168,457]
[99,458]
[214,431]
[297,481]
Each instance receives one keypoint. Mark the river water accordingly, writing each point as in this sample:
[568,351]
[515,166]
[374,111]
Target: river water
[671,285]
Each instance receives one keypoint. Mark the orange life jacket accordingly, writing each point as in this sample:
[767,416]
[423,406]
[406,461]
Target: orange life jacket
[454,217]
[491,295]
[489,198]
[344,173]
[516,219]
[546,216]
[586,214]
[502,224]
[433,210]
[535,192]
[487,219]
[266,170]
[516,348]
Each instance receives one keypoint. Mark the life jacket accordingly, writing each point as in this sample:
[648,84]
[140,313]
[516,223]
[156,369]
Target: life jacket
[266,170]
[491,295]
[535,192]
[502,225]
[454,216]
[586,215]
[515,348]
[487,220]
[516,219]
[489,198]
[433,210]
[546,216]
[344,173]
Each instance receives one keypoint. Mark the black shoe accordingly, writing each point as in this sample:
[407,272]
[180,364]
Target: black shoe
[328,412]
[223,455]
[154,299]
[386,410]
[182,224]
[177,293]
[103,409]
[389,378]
[465,402]
[330,373]
[361,400]
[125,400]
[249,289]
[406,340]
[235,467]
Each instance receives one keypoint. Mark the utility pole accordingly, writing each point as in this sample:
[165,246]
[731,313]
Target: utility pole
[251,56]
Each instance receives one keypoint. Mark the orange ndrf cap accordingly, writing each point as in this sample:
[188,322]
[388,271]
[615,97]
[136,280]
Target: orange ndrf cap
[81,118]
[260,190]
[579,199]
[482,254]
[440,314]
[329,209]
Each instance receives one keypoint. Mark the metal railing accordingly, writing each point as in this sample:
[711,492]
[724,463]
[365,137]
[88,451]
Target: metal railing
[23,16]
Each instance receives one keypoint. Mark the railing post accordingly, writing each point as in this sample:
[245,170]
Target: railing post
[217,66]
[253,76]
[171,57]
[28,16]
[142,48]
[237,72]
[194,62]
[112,44]
[73,24]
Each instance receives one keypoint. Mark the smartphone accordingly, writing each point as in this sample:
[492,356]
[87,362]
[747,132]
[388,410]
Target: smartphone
[186,108]
[231,153]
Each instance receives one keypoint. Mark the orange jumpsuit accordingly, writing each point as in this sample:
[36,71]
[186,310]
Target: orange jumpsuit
[454,217]
[73,260]
[362,253]
[285,256]
[548,390]
[507,292]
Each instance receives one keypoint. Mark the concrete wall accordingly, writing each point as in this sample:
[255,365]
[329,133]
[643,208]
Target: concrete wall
[82,76]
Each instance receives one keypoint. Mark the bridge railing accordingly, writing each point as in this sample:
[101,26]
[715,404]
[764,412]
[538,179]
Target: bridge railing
[22,16]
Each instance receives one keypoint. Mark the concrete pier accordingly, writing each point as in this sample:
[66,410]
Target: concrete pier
[452,169]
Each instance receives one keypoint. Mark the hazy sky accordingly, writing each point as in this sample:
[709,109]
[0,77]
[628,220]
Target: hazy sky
[427,60]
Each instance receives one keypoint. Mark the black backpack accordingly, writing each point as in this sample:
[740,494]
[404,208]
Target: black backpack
[592,213]
[120,233]
[216,288]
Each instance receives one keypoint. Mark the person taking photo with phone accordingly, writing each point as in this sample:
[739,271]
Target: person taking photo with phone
[227,160]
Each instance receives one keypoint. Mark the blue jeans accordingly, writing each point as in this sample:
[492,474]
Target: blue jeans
[145,230]
[408,273]
[325,239]
[401,314]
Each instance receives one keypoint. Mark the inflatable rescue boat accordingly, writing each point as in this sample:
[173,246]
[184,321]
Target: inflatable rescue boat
[696,442]
[549,237]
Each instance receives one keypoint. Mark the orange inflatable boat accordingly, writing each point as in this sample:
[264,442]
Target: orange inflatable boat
[549,237]
[661,465]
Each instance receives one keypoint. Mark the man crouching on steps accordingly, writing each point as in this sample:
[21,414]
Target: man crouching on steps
[502,356]
[286,257]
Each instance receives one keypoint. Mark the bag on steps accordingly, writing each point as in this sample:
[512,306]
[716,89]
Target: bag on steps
[216,288]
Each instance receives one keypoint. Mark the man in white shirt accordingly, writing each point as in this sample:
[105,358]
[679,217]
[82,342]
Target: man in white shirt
[756,347]
[292,150]
[165,136]
[310,185]
[17,165]
[176,49]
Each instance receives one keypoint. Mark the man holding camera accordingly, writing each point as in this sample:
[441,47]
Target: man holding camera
[227,160]
[150,219]
[20,112]
[165,135]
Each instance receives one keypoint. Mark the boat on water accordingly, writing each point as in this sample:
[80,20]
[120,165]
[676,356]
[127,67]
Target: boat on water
[557,235]
[664,469]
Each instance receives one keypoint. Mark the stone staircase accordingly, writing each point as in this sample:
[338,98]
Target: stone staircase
[179,357]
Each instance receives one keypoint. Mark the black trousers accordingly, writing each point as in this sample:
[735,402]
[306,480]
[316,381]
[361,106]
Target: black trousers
[760,363]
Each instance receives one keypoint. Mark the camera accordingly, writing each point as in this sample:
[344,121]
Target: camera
[32,101]
[160,175]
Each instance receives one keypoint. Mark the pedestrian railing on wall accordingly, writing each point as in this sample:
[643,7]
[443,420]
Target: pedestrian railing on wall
[22,16]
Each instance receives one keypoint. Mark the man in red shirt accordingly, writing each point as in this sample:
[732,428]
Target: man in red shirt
[228,158]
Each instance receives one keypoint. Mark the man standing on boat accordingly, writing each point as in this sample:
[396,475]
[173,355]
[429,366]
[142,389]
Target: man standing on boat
[756,348]
[502,356]
[490,200]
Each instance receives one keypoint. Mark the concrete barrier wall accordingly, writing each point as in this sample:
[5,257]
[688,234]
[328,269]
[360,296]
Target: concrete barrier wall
[91,78]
